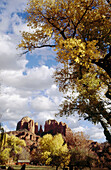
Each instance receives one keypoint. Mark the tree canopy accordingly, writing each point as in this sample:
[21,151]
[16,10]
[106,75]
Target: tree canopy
[80,32]
[10,146]
[53,151]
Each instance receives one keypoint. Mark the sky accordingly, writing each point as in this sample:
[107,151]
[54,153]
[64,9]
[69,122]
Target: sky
[27,85]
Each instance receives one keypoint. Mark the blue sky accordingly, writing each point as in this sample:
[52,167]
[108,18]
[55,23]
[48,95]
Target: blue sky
[27,86]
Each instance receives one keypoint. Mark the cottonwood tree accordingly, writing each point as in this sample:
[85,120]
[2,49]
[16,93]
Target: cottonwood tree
[10,147]
[53,151]
[79,30]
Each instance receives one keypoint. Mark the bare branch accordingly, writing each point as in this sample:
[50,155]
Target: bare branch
[42,46]
[45,45]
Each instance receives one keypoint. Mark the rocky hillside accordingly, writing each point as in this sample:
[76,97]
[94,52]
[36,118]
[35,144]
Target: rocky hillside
[28,130]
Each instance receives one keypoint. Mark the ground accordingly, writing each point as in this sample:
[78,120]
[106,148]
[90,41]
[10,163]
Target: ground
[31,167]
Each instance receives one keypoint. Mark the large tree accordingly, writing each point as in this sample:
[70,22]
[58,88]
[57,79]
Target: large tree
[79,30]
[53,151]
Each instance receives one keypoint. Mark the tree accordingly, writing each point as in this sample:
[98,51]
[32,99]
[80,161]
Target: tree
[4,153]
[103,152]
[81,35]
[81,154]
[53,151]
[2,137]
[15,144]
[10,148]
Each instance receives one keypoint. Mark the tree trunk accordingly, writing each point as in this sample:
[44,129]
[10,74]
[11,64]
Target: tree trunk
[76,168]
[106,132]
[57,167]
[71,167]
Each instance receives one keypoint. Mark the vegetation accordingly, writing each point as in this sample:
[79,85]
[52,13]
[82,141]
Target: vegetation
[32,167]
[81,153]
[103,152]
[53,151]
[24,155]
[80,32]
[74,151]
[10,146]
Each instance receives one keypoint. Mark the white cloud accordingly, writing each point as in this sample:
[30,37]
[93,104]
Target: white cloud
[42,116]
[8,10]
[9,59]
[20,93]
[12,106]
[38,78]
[53,91]
[6,128]
[94,132]
[79,129]
[42,103]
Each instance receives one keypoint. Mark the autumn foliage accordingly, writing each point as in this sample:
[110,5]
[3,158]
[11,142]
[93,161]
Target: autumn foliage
[80,33]
[10,146]
[52,151]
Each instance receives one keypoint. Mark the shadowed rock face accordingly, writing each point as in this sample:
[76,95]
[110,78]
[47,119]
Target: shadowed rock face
[54,127]
[27,123]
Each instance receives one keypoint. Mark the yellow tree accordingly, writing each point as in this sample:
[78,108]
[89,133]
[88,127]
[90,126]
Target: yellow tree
[15,144]
[10,147]
[53,151]
[80,33]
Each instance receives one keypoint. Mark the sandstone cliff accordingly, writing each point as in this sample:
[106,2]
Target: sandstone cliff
[27,123]
[28,130]
[51,126]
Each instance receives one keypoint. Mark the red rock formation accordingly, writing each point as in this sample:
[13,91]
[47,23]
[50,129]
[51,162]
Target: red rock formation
[27,123]
[36,128]
[51,126]
[28,130]
[54,127]
[40,132]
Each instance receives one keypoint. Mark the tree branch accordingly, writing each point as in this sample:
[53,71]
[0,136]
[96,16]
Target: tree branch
[42,46]
[105,63]
[45,45]
[84,13]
